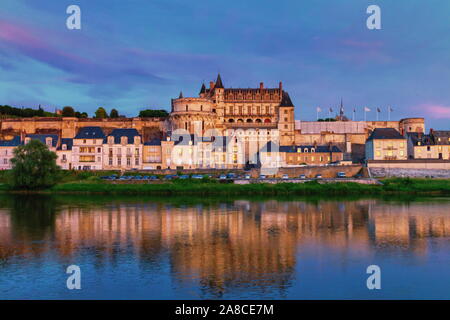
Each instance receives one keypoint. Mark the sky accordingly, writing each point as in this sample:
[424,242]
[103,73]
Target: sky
[137,54]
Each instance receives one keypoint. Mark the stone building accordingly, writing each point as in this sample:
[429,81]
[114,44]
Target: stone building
[87,149]
[122,149]
[386,144]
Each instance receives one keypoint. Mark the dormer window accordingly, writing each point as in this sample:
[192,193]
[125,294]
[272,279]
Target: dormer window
[305,150]
[27,140]
[313,150]
[110,140]
[48,141]
[64,147]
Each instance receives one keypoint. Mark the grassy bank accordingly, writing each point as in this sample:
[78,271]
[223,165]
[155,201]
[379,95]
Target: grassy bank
[214,188]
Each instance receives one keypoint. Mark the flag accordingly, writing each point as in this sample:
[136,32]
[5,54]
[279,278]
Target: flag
[331,110]
[319,109]
[354,110]
[366,109]
[378,110]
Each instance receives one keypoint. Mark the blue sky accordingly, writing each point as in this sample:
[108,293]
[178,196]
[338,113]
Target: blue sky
[136,54]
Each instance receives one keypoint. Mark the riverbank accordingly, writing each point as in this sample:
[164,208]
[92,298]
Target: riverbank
[213,188]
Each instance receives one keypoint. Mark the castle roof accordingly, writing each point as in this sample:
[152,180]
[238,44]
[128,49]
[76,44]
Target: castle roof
[203,89]
[286,100]
[219,83]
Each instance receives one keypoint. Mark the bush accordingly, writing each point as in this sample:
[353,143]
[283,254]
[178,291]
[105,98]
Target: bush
[33,167]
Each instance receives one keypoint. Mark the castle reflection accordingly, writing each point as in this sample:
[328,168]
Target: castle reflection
[227,244]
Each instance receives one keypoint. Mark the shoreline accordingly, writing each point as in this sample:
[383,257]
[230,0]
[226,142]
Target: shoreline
[394,186]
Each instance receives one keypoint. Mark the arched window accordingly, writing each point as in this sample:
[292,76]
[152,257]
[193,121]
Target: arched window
[240,120]
[267,121]
[231,120]
[258,120]
[186,107]
[249,120]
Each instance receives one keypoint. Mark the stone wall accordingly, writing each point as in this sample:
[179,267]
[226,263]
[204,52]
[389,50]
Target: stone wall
[410,168]
[325,171]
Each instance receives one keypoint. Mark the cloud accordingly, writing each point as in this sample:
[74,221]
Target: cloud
[436,111]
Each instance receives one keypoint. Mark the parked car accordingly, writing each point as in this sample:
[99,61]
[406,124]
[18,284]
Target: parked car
[197,176]
[285,177]
[153,178]
[247,176]
[138,177]
[168,177]
[262,176]
[302,176]
[341,174]
[231,175]
[222,177]
[318,176]
[184,176]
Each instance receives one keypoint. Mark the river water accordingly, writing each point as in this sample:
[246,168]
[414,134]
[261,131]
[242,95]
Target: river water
[187,248]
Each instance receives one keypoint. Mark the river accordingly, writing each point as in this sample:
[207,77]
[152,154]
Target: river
[260,248]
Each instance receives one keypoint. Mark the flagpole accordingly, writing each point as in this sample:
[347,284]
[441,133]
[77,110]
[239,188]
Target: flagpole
[377,114]
[365,114]
[389,113]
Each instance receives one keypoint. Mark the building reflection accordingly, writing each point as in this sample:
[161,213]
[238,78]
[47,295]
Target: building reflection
[225,245]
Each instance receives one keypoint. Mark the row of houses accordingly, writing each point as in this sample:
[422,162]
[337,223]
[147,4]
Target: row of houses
[389,144]
[124,149]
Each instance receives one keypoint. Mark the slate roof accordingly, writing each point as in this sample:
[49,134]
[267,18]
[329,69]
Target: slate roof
[154,142]
[68,142]
[130,133]
[219,83]
[424,139]
[90,133]
[11,143]
[286,100]
[443,134]
[42,137]
[385,133]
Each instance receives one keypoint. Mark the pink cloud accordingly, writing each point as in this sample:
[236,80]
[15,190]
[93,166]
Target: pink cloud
[436,111]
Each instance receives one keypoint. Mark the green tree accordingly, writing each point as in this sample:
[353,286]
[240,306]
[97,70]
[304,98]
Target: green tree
[149,113]
[68,112]
[101,113]
[33,166]
[114,113]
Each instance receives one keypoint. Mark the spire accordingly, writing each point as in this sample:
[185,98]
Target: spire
[203,89]
[181,95]
[218,82]
[341,110]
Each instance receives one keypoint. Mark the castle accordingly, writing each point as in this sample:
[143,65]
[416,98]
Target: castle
[221,128]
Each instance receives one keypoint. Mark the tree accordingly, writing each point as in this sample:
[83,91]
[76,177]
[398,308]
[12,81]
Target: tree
[114,113]
[101,113]
[153,113]
[33,166]
[68,112]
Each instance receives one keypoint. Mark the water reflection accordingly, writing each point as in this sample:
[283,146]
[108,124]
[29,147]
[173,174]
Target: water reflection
[225,246]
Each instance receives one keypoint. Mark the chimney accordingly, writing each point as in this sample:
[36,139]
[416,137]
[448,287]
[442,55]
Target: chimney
[281,86]
[261,85]
[211,84]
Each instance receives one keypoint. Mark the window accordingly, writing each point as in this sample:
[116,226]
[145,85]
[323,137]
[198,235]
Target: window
[119,161]
[136,162]
[84,141]
[99,150]
[128,161]
[401,153]
[402,144]
[5,161]
[64,157]
[110,161]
